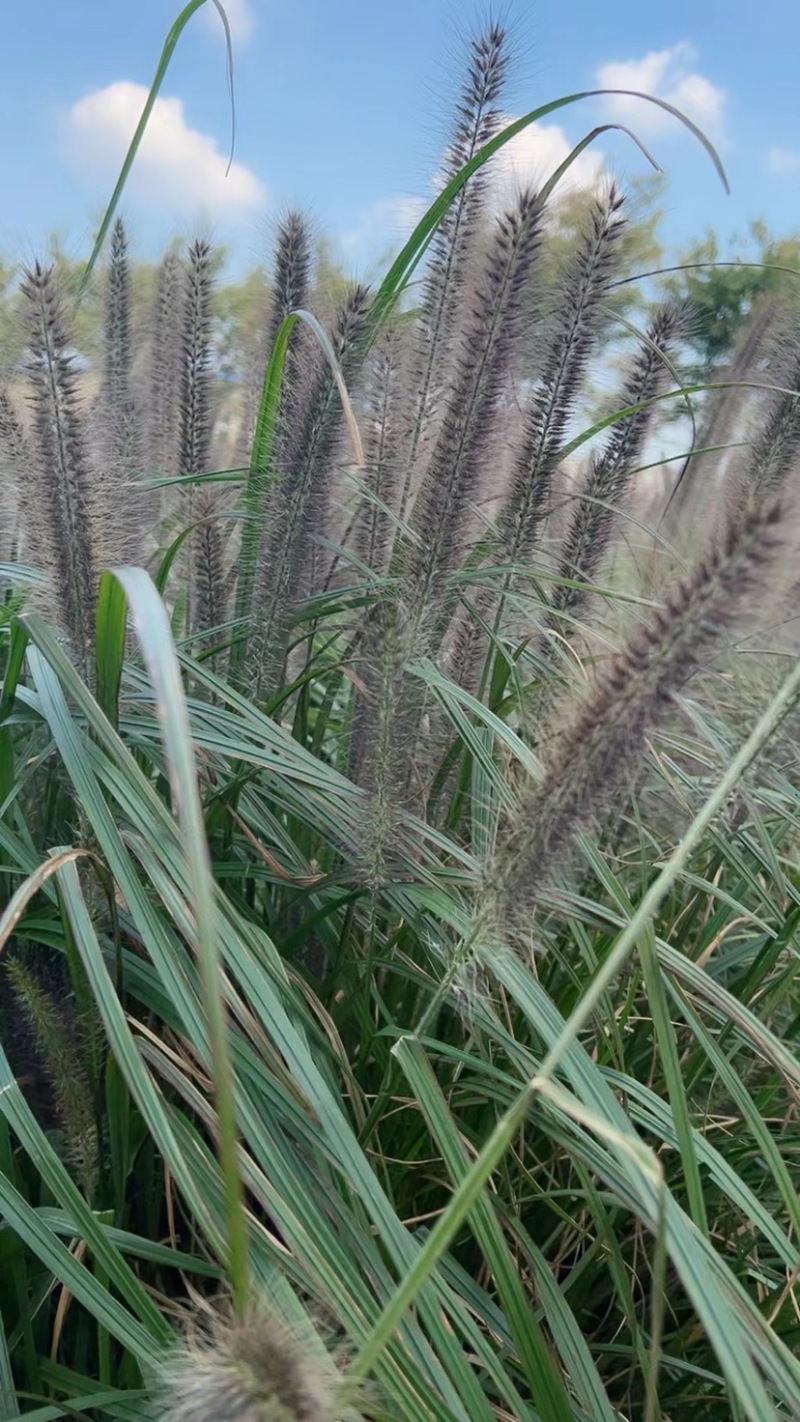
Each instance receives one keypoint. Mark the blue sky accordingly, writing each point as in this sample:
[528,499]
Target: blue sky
[342,107]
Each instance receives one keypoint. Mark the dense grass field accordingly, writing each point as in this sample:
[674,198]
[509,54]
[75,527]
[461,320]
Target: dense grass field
[399,810]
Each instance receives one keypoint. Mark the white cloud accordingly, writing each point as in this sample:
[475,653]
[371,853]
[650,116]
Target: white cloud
[533,156]
[241,19]
[384,224]
[668,74]
[781,161]
[177,167]
[527,161]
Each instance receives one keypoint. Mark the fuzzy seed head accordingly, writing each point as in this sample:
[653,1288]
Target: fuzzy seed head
[196,383]
[574,340]
[610,471]
[596,740]
[485,348]
[254,1371]
[166,370]
[477,120]
[62,530]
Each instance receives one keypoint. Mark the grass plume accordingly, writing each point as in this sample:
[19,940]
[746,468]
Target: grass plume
[374,526]
[477,119]
[443,511]
[578,324]
[598,740]
[291,287]
[57,1037]
[605,485]
[775,451]
[299,503]
[195,393]
[63,530]
[255,1370]
[165,371]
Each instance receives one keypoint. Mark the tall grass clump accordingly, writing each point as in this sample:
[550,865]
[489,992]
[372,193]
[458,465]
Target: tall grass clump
[398,1017]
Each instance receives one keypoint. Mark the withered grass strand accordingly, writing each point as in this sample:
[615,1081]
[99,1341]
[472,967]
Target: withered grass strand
[598,740]
[478,118]
[579,322]
[299,503]
[442,512]
[62,529]
[602,495]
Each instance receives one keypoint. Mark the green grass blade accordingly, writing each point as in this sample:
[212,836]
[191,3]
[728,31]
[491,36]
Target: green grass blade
[110,645]
[170,44]
[545,1383]
[155,638]
[57,1259]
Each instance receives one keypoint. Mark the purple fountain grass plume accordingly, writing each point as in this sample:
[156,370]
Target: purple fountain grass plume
[196,385]
[16,460]
[578,325]
[459,457]
[251,1370]
[15,451]
[292,273]
[589,532]
[696,501]
[290,292]
[117,340]
[120,443]
[381,736]
[299,503]
[55,1028]
[62,530]
[196,431]
[210,580]
[592,744]
[163,419]
[775,451]
[477,120]
[579,321]
[349,331]
[373,533]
